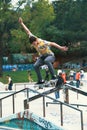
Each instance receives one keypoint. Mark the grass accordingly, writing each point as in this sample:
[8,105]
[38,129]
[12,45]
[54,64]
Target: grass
[20,76]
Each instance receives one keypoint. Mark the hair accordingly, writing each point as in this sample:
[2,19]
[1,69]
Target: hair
[32,39]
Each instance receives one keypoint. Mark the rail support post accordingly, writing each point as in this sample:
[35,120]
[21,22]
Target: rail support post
[0,108]
[66,99]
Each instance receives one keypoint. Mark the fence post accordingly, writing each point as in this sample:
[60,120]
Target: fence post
[43,106]
[13,104]
[81,120]
[26,102]
[66,99]
[0,108]
[61,112]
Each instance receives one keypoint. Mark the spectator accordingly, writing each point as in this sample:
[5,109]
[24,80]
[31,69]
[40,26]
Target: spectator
[78,79]
[64,77]
[82,73]
[71,74]
[10,83]
[29,76]
[59,84]
[59,71]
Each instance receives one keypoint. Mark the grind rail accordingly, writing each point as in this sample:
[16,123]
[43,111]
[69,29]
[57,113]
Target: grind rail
[39,95]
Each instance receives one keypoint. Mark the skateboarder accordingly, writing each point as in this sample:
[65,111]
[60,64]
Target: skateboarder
[46,56]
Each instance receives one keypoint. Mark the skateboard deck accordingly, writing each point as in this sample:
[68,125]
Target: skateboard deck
[50,83]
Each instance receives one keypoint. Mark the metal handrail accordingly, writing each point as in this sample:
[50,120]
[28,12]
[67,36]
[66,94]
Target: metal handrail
[61,104]
[42,95]
[76,104]
[13,98]
[70,87]
[61,110]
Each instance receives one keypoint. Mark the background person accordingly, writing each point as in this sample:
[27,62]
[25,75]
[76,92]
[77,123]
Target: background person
[59,84]
[78,79]
[82,74]
[10,82]
[30,76]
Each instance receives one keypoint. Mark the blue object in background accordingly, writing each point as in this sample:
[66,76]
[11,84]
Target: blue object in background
[18,67]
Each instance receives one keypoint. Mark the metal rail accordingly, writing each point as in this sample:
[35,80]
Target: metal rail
[58,102]
[39,95]
[70,87]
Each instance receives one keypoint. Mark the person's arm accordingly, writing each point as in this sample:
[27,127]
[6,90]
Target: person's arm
[63,48]
[24,26]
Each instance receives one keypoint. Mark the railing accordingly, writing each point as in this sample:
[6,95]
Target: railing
[61,111]
[13,96]
[78,105]
[44,95]
[70,87]
[27,91]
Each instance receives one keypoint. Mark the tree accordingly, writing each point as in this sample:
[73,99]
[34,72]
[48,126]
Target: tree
[71,21]
[41,17]
[7,23]
[4,5]
[37,17]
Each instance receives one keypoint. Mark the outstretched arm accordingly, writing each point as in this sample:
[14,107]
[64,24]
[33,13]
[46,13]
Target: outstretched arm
[63,48]
[24,26]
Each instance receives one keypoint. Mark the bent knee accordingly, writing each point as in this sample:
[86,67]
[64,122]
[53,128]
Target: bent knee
[36,65]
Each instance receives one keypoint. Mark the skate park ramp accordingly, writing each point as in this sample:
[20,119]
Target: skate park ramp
[26,120]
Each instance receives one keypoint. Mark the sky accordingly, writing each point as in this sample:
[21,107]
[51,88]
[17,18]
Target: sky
[15,1]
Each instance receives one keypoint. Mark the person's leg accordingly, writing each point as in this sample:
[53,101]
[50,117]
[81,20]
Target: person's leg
[77,83]
[49,62]
[10,87]
[37,65]
[57,95]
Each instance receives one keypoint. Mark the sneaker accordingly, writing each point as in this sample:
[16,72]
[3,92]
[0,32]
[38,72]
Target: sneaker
[40,82]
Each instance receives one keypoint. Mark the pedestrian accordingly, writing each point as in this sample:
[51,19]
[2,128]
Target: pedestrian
[64,76]
[71,74]
[82,73]
[59,84]
[46,56]
[59,71]
[78,79]
[30,76]
[10,82]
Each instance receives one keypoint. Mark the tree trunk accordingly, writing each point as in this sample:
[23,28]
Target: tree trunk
[1,58]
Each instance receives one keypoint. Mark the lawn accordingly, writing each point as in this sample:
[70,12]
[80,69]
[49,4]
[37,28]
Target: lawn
[20,76]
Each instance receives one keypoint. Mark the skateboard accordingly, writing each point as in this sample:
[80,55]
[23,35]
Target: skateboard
[50,83]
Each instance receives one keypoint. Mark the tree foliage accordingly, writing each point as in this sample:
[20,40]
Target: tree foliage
[63,22]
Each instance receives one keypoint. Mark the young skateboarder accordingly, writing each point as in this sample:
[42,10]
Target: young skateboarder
[46,56]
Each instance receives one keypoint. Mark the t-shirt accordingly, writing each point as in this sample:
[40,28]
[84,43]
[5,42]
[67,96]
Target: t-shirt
[10,81]
[77,75]
[43,46]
